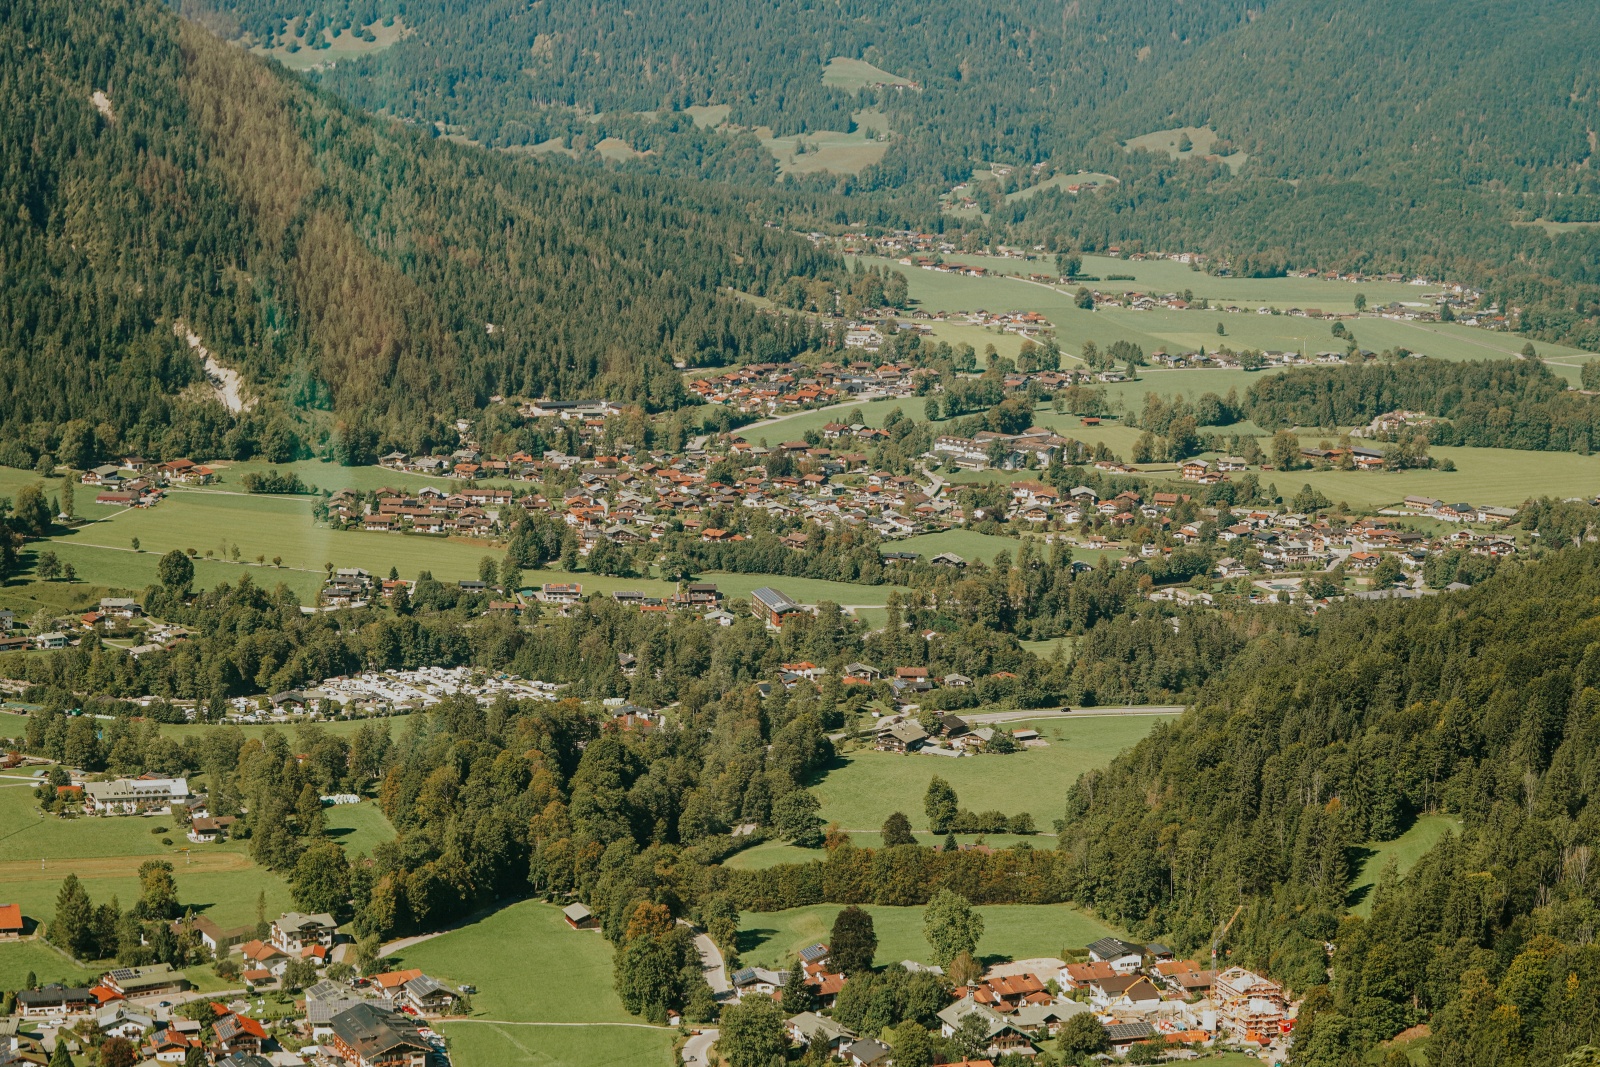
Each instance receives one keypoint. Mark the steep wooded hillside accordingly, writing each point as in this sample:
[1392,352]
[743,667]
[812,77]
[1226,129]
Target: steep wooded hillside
[154,175]
[1482,706]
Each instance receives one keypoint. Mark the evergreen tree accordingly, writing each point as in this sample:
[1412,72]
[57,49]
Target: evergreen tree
[71,929]
[940,805]
[797,995]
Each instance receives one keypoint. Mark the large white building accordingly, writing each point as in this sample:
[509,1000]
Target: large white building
[129,796]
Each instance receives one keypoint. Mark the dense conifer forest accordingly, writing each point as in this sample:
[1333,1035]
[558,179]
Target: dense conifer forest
[339,262]
[1416,136]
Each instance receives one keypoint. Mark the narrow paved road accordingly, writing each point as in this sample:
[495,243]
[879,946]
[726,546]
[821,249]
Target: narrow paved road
[697,1053]
[711,961]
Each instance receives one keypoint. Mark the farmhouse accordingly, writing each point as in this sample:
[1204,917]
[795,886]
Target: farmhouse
[55,999]
[293,932]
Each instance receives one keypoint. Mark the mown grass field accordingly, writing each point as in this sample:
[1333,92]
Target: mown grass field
[968,544]
[18,959]
[835,151]
[864,788]
[1011,931]
[528,965]
[343,45]
[489,1044]
[1406,850]
[15,725]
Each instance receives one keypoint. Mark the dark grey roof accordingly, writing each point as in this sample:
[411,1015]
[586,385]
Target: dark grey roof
[813,953]
[1111,947]
[774,601]
[1129,1031]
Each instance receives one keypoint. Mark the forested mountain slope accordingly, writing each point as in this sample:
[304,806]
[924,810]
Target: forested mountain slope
[338,261]
[1410,135]
[1484,705]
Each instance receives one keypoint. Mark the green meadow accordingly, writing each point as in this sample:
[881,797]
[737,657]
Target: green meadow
[863,788]
[1405,850]
[1011,932]
[500,1044]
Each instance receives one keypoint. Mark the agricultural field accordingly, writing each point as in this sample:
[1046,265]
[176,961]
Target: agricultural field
[571,983]
[939,291]
[864,788]
[967,544]
[483,1043]
[1060,181]
[1406,850]
[1011,931]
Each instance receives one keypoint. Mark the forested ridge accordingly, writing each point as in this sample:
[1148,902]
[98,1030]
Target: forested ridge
[1415,136]
[339,262]
[1483,705]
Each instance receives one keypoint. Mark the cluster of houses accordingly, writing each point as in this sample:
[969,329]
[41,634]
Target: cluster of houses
[137,482]
[766,388]
[637,499]
[1138,993]
[943,735]
[360,1022]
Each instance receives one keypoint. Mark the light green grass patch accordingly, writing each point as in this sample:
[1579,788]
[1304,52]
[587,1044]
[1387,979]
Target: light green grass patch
[489,1044]
[1406,850]
[359,828]
[834,151]
[1011,931]
[708,116]
[864,788]
[1060,181]
[1201,138]
[18,959]
[843,73]
[967,544]
[528,965]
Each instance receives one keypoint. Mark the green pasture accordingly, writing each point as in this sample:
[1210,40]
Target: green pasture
[1011,932]
[863,788]
[967,544]
[1059,181]
[1195,329]
[502,1044]
[528,965]
[1406,850]
[834,151]
[15,725]
[1201,138]
[18,959]
[1496,476]
[359,828]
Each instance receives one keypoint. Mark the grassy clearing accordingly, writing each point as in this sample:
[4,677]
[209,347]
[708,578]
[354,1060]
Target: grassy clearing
[1060,181]
[344,45]
[708,116]
[569,983]
[1201,139]
[842,73]
[834,151]
[14,725]
[18,959]
[772,853]
[488,1044]
[1011,931]
[1406,850]
[359,828]
[864,788]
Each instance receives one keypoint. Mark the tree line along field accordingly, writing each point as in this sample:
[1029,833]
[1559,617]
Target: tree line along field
[531,968]
[863,788]
[1011,932]
[217,879]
